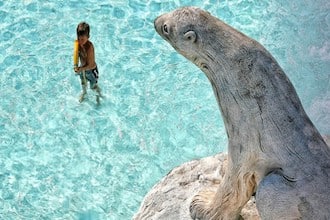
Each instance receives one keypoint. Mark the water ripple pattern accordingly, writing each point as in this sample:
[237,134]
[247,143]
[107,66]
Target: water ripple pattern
[61,159]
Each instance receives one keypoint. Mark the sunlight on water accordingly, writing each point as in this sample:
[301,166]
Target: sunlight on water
[61,159]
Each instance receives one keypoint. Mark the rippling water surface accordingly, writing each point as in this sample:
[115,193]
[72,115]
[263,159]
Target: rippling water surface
[61,159]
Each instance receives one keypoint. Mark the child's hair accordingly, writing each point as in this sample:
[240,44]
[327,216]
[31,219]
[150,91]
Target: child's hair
[83,29]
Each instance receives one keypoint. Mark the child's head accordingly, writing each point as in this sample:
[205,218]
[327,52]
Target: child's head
[83,29]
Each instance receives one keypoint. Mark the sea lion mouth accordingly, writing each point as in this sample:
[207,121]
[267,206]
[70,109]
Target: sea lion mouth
[164,29]
[158,24]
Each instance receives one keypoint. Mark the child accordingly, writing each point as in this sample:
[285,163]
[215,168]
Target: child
[88,68]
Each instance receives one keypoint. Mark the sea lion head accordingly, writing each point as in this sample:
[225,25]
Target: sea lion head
[200,37]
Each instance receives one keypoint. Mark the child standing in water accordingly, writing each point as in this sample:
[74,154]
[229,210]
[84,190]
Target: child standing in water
[88,68]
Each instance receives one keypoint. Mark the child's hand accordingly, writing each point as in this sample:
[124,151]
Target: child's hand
[76,69]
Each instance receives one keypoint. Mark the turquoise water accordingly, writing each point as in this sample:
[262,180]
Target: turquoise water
[61,159]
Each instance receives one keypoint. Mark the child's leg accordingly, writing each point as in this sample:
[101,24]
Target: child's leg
[97,89]
[92,76]
[83,93]
[84,87]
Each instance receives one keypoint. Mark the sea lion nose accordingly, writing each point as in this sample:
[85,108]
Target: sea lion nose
[158,24]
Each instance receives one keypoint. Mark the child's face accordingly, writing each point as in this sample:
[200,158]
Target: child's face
[82,40]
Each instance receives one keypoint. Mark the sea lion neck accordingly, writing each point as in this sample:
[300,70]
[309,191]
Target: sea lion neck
[272,144]
[245,79]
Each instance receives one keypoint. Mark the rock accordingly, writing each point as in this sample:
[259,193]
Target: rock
[171,197]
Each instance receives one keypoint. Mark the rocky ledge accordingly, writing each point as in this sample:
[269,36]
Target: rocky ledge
[171,197]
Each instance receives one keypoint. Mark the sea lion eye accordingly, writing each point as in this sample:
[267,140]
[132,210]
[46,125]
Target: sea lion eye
[204,66]
[165,29]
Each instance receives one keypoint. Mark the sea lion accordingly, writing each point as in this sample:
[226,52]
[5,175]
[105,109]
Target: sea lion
[274,150]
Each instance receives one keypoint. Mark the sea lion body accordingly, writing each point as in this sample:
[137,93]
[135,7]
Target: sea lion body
[274,149]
